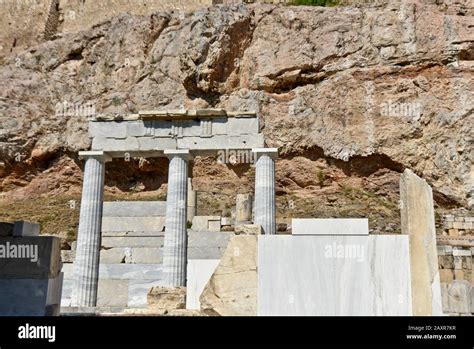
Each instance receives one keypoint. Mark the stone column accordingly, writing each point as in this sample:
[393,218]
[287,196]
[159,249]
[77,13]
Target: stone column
[176,239]
[265,188]
[86,265]
[243,209]
[418,222]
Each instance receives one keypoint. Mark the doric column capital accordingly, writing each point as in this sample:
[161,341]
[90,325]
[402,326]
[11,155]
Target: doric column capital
[182,153]
[95,154]
[271,152]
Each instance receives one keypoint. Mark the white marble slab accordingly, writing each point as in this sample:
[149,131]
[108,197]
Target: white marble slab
[330,226]
[334,275]
[198,274]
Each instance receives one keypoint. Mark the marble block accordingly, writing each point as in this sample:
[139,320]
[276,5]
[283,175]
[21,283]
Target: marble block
[206,223]
[112,293]
[208,239]
[121,271]
[130,271]
[30,257]
[134,209]
[122,224]
[24,228]
[138,290]
[418,222]
[198,274]
[333,275]
[330,226]
[30,297]
[132,241]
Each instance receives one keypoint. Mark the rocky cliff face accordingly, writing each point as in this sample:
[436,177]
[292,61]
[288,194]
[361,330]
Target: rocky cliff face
[350,95]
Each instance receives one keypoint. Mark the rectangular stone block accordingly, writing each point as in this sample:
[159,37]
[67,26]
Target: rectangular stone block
[107,129]
[219,126]
[330,226]
[66,293]
[334,275]
[459,297]
[136,128]
[132,255]
[30,297]
[133,233]
[248,229]
[30,257]
[153,144]
[245,141]
[53,298]
[114,255]
[130,271]
[121,271]
[221,142]
[128,144]
[239,126]
[191,128]
[205,223]
[445,250]
[457,262]
[215,225]
[418,222]
[24,228]
[208,239]
[146,255]
[134,209]
[138,290]
[199,272]
[123,224]
[68,271]
[211,112]
[133,241]
[112,293]
[6,229]
[205,252]
[461,252]
[158,128]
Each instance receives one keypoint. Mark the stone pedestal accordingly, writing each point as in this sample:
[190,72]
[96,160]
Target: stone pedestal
[86,266]
[243,209]
[175,244]
[265,189]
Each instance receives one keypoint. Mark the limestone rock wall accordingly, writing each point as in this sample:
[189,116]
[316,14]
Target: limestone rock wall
[27,22]
[353,93]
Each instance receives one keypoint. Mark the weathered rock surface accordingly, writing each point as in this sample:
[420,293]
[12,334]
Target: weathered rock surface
[248,229]
[356,93]
[167,299]
[232,289]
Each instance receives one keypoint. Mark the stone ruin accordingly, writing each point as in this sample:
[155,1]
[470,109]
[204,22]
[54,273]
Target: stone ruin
[178,135]
[142,258]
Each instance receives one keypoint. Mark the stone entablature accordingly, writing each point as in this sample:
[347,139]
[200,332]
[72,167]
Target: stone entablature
[149,133]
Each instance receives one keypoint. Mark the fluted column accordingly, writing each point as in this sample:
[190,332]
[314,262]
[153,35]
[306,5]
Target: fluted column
[86,265]
[265,189]
[176,238]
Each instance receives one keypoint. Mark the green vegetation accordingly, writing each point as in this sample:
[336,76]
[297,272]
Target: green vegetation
[316,2]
